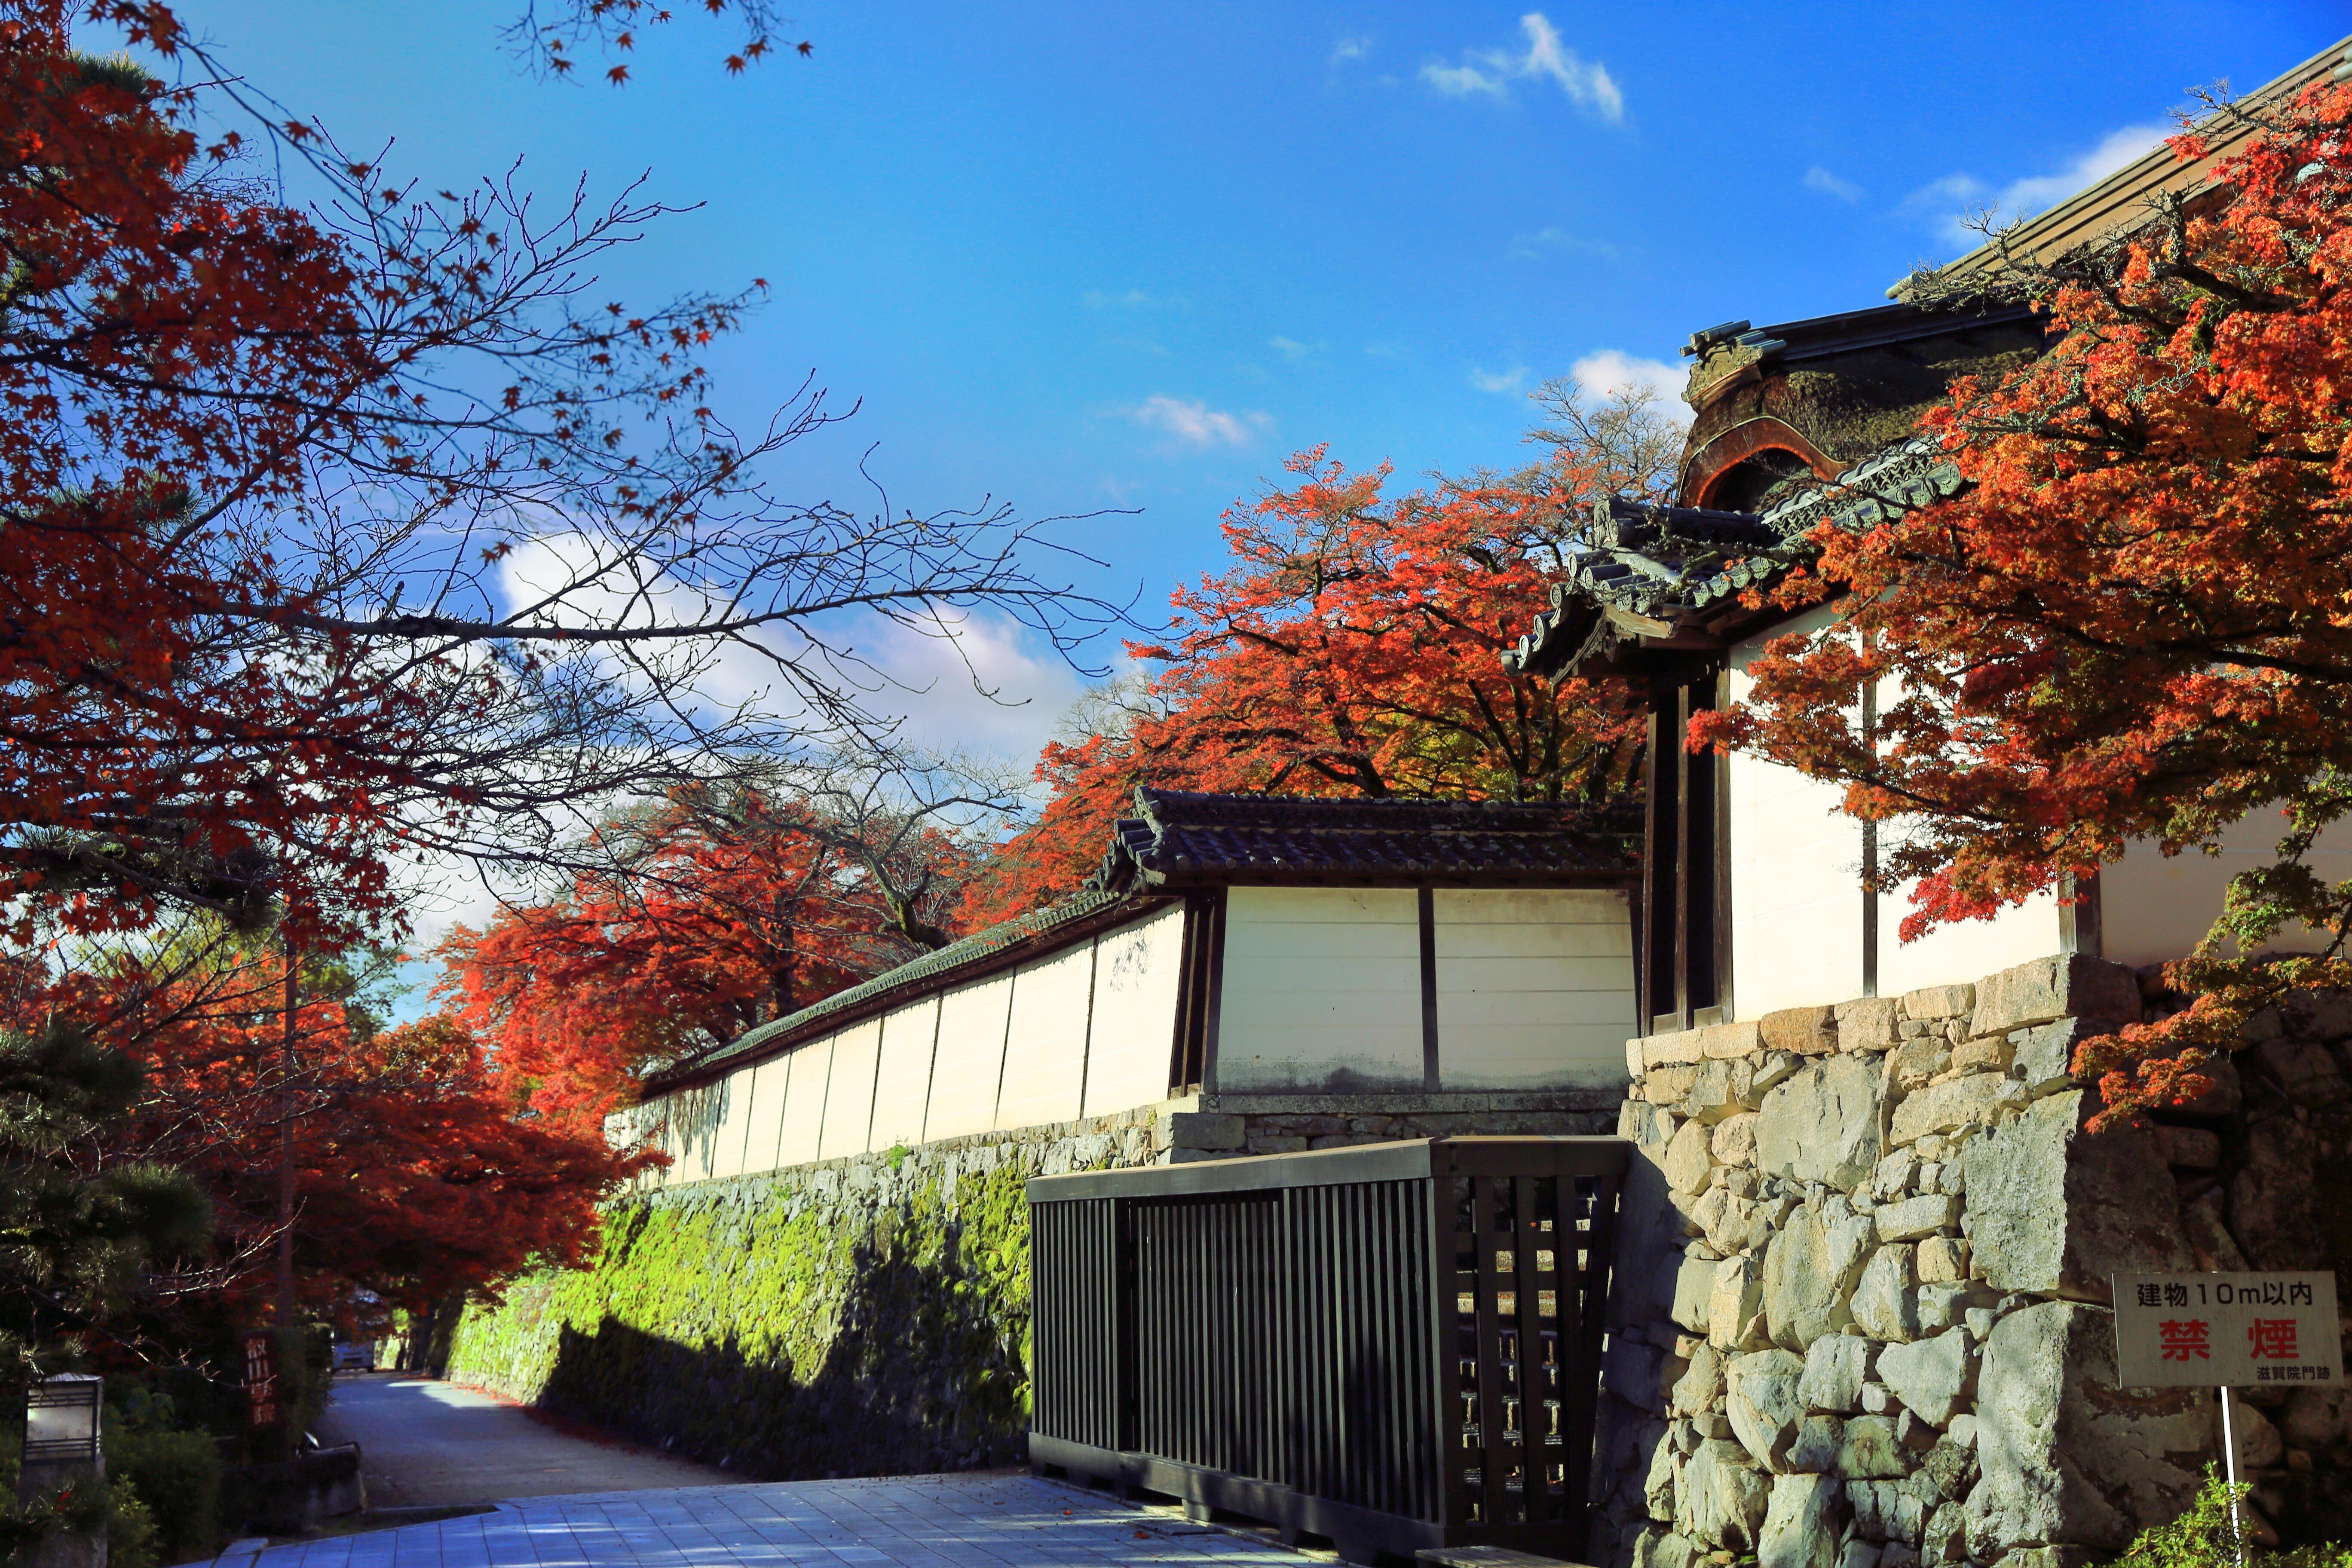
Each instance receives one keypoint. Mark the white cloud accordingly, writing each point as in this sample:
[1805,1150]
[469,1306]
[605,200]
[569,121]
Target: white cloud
[1558,241]
[1196,424]
[1819,179]
[1132,299]
[1609,370]
[1488,73]
[1380,350]
[1292,349]
[1351,48]
[1949,203]
[1511,380]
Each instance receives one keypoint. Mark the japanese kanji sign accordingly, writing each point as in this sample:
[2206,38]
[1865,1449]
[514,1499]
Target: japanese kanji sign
[261,1405]
[2208,1330]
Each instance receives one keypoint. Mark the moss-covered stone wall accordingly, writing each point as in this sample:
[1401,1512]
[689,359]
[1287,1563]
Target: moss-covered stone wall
[860,1317]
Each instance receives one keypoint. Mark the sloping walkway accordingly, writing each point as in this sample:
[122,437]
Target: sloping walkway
[899,1521]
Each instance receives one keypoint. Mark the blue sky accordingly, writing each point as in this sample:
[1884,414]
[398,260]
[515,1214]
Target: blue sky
[1084,256]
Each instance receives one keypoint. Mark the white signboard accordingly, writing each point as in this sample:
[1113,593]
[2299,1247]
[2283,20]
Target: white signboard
[2226,1331]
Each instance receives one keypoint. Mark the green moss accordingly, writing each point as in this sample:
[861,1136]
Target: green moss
[786,1330]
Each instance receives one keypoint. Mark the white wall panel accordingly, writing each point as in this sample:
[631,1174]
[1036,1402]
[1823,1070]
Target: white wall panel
[849,1092]
[734,1111]
[1535,988]
[1045,1043]
[804,1099]
[970,1062]
[1322,990]
[1795,865]
[902,1087]
[1963,951]
[1137,969]
[765,1123]
[2154,908]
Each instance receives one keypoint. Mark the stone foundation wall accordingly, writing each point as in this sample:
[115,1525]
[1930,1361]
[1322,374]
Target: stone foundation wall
[1862,1317]
[870,1315]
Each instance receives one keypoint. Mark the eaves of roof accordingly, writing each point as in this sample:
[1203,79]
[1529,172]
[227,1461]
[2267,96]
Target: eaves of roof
[1676,577]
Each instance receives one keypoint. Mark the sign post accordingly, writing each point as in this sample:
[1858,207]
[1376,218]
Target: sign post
[2225,1331]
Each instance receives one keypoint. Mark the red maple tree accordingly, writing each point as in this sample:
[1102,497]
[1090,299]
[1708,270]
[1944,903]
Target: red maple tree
[1353,648]
[713,915]
[2130,627]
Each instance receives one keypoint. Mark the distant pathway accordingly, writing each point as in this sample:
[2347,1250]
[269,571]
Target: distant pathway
[977,1520]
[424,1443]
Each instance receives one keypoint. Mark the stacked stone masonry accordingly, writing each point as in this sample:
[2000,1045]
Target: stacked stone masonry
[1862,1318]
[870,1315]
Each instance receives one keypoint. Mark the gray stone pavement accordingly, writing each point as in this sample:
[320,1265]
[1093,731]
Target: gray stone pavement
[990,1520]
[425,1443]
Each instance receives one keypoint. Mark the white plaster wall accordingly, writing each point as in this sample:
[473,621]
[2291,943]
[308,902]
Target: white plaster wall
[1045,1043]
[1134,1032]
[1322,990]
[902,1087]
[1535,988]
[765,1123]
[1796,874]
[1963,951]
[849,1090]
[805,1102]
[970,1063]
[2154,908]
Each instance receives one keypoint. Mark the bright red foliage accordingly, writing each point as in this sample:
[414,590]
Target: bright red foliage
[1353,649]
[2133,626]
[709,923]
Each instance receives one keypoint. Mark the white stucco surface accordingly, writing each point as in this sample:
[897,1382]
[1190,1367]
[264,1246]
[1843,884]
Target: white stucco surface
[1535,988]
[805,1102]
[849,1091]
[902,1084]
[968,1064]
[1129,1044]
[1322,990]
[1045,1043]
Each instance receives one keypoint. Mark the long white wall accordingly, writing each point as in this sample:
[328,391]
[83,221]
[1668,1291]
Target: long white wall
[1085,1030]
[1322,993]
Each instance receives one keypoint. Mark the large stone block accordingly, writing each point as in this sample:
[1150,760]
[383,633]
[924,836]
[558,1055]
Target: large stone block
[1735,1301]
[1720,1090]
[2064,986]
[1687,1161]
[1761,1399]
[2067,1457]
[1809,1271]
[1927,1215]
[1723,1497]
[2044,1058]
[1721,1041]
[1663,1549]
[1933,1377]
[1807,1031]
[2275,1208]
[1867,1023]
[1886,1303]
[1836,1366]
[1939,1001]
[1972,1101]
[1802,1523]
[1822,1124]
[1868,1449]
[1701,1385]
[1669,1050]
[1204,1129]
[2055,1209]
[1733,1141]
[1694,1286]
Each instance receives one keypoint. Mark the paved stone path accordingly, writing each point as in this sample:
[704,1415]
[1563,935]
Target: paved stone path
[901,1521]
[424,1443]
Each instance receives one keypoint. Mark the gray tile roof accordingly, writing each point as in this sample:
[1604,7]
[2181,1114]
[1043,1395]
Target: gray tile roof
[1659,571]
[1179,840]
